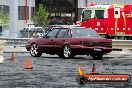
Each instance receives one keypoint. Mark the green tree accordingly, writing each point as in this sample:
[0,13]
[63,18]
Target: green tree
[4,19]
[41,16]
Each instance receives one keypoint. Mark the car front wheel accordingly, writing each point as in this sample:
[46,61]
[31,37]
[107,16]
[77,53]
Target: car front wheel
[67,52]
[34,51]
[61,55]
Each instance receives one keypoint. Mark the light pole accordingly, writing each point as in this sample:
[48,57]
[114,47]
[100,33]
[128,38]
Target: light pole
[28,11]
[13,23]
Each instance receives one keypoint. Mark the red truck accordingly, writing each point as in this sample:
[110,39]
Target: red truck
[113,21]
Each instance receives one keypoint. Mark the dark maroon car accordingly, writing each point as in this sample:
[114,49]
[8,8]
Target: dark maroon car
[67,42]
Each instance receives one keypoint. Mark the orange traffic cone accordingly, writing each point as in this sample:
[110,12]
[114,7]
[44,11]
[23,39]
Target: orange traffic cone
[28,64]
[94,69]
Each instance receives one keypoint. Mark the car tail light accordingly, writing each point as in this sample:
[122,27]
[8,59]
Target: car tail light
[101,43]
[84,43]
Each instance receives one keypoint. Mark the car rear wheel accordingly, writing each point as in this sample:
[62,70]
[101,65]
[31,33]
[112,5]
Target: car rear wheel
[34,51]
[67,52]
[97,55]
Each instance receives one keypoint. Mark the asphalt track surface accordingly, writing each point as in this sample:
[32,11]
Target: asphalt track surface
[53,72]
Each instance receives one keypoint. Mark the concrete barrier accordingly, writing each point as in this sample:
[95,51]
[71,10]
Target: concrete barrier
[18,45]
[2,42]
[15,49]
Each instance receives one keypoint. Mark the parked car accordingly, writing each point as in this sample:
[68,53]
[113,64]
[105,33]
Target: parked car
[67,42]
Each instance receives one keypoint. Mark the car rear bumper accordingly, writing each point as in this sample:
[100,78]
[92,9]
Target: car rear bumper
[79,49]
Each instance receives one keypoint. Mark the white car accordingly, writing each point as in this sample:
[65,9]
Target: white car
[40,34]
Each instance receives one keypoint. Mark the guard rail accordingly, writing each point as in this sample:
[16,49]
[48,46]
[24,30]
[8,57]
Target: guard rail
[116,44]
[122,44]
[15,41]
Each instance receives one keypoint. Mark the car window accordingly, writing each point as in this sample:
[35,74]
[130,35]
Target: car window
[61,33]
[83,32]
[53,33]
[67,34]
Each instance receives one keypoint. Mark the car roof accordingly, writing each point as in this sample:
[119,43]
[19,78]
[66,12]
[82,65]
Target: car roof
[67,26]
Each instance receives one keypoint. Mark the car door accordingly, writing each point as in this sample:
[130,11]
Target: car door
[49,40]
[61,39]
